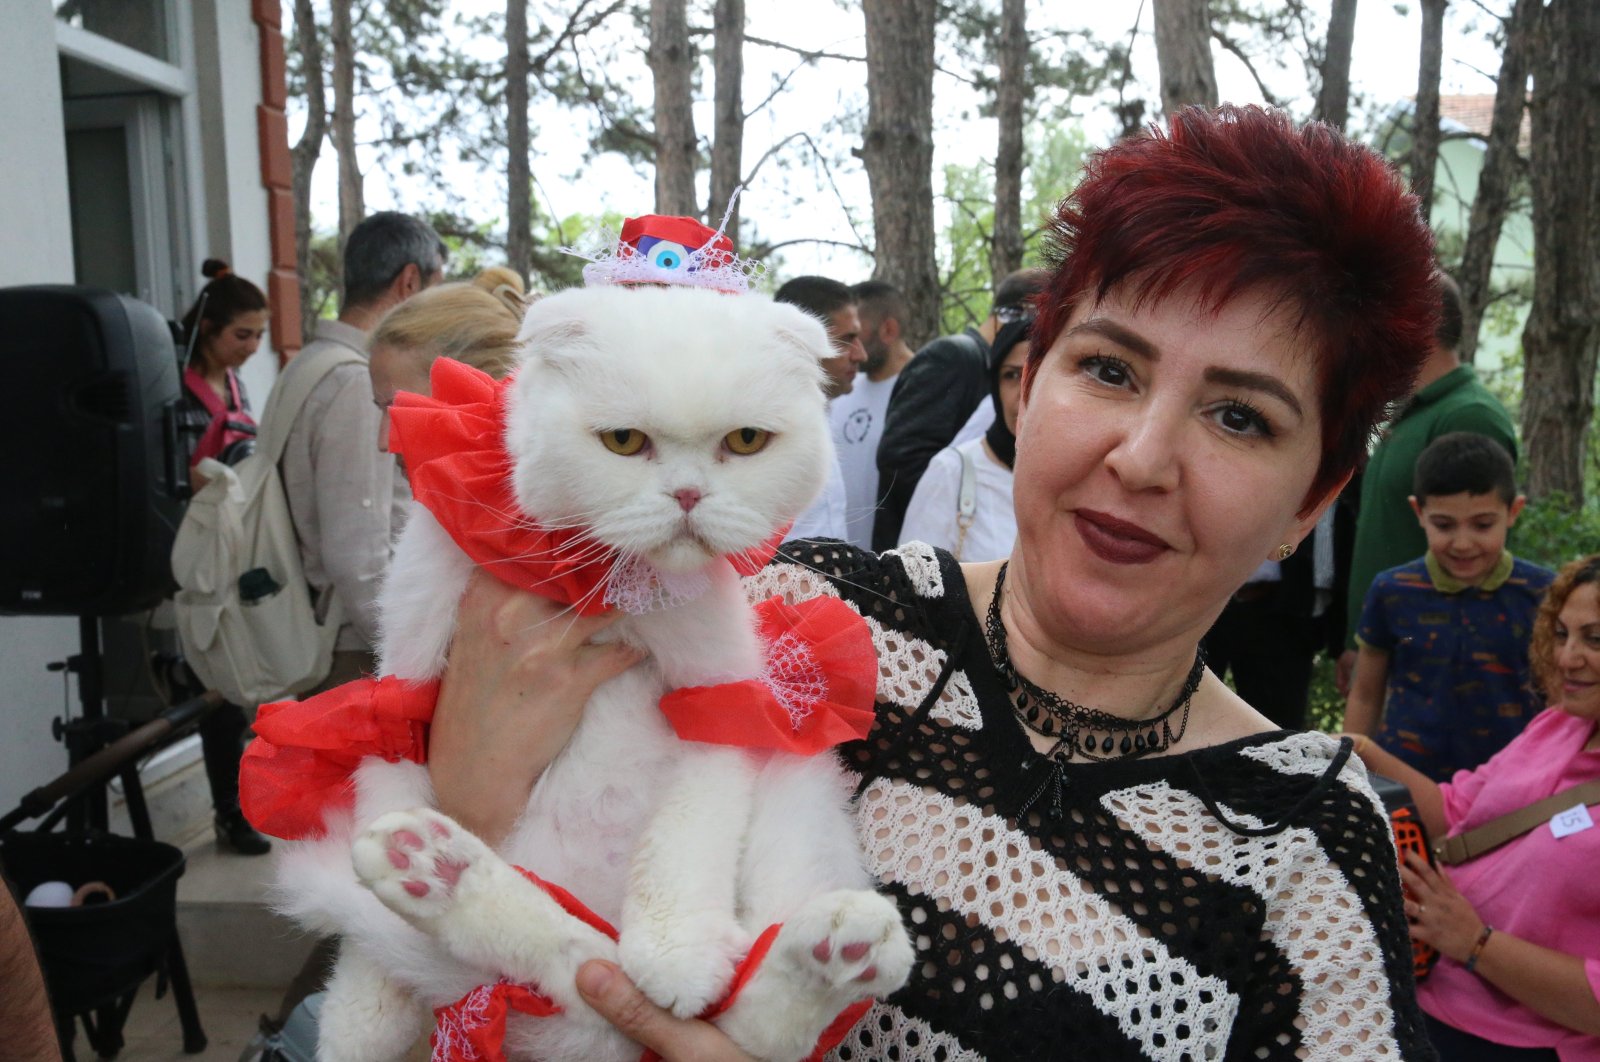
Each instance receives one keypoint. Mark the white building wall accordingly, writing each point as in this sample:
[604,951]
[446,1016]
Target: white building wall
[227,219]
[36,238]
[228,73]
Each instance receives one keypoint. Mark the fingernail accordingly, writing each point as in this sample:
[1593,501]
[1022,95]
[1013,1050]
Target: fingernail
[595,976]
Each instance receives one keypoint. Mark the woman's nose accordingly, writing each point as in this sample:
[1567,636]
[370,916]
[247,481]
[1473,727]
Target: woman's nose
[1145,457]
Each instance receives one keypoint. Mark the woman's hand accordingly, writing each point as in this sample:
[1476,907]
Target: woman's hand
[520,670]
[607,989]
[1439,914]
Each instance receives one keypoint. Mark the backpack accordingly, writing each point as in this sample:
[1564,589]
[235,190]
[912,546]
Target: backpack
[246,617]
[231,435]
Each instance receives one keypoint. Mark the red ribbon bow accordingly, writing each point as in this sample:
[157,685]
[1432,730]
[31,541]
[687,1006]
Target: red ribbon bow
[305,752]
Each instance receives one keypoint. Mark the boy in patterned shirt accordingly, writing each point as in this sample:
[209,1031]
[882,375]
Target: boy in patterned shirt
[1442,677]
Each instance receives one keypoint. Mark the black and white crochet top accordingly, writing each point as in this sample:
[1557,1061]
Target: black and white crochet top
[1136,925]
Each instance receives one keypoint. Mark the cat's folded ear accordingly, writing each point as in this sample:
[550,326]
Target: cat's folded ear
[556,330]
[797,332]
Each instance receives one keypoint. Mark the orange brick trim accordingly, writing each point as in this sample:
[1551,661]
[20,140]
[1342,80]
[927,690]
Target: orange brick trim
[277,176]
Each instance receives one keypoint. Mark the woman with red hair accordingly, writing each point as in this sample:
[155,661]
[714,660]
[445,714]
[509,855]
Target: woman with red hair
[1099,849]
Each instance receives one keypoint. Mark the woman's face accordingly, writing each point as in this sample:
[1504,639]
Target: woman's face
[1163,452]
[1577,649]
[1010,388]
[395,369]
[230,346]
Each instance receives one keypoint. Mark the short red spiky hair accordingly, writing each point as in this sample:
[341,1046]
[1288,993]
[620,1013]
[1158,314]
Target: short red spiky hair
[1238,199]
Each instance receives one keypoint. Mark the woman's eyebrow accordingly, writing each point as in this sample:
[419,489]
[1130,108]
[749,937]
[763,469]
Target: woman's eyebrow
[1122,337]
[1256,381]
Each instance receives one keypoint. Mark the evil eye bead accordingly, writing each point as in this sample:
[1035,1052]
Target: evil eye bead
[746,441]
[668,255]
[624,441]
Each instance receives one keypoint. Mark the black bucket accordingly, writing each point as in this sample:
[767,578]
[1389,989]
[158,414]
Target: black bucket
[94,954]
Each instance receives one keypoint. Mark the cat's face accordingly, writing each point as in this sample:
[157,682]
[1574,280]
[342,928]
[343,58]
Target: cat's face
[674,424]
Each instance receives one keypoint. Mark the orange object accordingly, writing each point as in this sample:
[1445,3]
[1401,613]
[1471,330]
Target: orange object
[1408,837]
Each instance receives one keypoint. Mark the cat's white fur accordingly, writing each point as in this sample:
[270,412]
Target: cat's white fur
[690,849]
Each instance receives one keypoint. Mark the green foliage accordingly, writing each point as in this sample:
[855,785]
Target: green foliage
[1552,530]
[1053,156]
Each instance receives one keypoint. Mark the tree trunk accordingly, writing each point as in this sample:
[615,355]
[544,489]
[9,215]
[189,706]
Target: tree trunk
[1494,180]
[1562,337]
[672,64]
[1425,137]
[1333,99]
[1183,52]
[1010,98]
[519,177]
[898,151]
[351,207]
[727,141]
[304,154]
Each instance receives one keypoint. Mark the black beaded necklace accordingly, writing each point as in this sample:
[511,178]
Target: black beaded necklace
[1079,730]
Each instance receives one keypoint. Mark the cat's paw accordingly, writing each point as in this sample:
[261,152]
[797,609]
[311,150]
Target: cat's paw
[850,943]
[417,861]
[684,966]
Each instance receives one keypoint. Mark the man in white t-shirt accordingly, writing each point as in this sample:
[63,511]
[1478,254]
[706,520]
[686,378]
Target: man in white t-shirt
[857,415]
[835,306]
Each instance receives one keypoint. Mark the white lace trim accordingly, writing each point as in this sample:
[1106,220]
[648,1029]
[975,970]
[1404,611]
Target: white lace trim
[1310,754]
[636,586]
[1313,915]
[921,565]
[957,704]
[896,1041]
[989,872]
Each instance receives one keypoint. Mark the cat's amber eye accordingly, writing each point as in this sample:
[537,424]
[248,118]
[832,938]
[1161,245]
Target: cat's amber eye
[746,441]
[624,441]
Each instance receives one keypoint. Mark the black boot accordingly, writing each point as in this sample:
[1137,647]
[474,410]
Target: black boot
[236,833]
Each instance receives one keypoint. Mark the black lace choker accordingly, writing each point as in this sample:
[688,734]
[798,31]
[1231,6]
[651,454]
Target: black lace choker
[1081,731]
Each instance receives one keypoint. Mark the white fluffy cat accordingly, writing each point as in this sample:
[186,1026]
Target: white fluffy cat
[690,849]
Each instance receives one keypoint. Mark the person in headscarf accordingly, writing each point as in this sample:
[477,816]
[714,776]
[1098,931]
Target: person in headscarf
[963,501]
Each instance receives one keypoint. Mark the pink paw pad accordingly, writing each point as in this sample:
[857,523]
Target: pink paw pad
[855,952]
[407,839]
[439,829]
[869,974]
[823,952]
[418,889]
[398,859]
[448,871]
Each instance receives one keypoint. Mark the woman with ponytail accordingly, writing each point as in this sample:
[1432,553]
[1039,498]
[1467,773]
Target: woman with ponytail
[221,331]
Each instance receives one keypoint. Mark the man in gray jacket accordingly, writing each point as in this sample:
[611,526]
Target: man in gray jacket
[346,496]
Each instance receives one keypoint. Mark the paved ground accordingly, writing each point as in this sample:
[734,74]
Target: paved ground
[230,1017]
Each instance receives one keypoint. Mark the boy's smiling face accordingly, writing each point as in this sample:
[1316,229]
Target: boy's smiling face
[1467,532]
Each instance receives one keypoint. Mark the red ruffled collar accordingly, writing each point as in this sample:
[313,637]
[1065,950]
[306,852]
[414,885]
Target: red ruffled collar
[453,445]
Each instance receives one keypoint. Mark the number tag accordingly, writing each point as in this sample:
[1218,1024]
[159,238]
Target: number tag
[1574,820]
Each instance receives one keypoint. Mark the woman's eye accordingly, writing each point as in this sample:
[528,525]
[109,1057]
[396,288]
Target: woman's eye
[1108,370]
[746,441]
[624,441]
[1242,419]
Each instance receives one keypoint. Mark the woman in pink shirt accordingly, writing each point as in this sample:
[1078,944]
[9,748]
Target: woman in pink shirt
[1518,928]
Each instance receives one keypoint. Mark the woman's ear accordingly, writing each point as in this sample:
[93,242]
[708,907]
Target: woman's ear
[1307,518]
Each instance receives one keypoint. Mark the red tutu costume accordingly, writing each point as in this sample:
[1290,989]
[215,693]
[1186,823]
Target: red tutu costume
[816,691]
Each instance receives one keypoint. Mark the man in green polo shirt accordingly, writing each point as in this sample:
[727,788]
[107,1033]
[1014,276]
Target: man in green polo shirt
[1449,397]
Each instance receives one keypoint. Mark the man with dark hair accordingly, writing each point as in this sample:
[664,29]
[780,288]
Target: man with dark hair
[934,397]
[1448,398]
[857,416]
[835,306]
[344,494]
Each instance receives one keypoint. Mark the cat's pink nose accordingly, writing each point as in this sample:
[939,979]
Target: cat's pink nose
[687,497]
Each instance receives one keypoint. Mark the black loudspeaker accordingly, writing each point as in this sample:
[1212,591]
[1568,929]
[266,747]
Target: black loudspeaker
[92,481]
